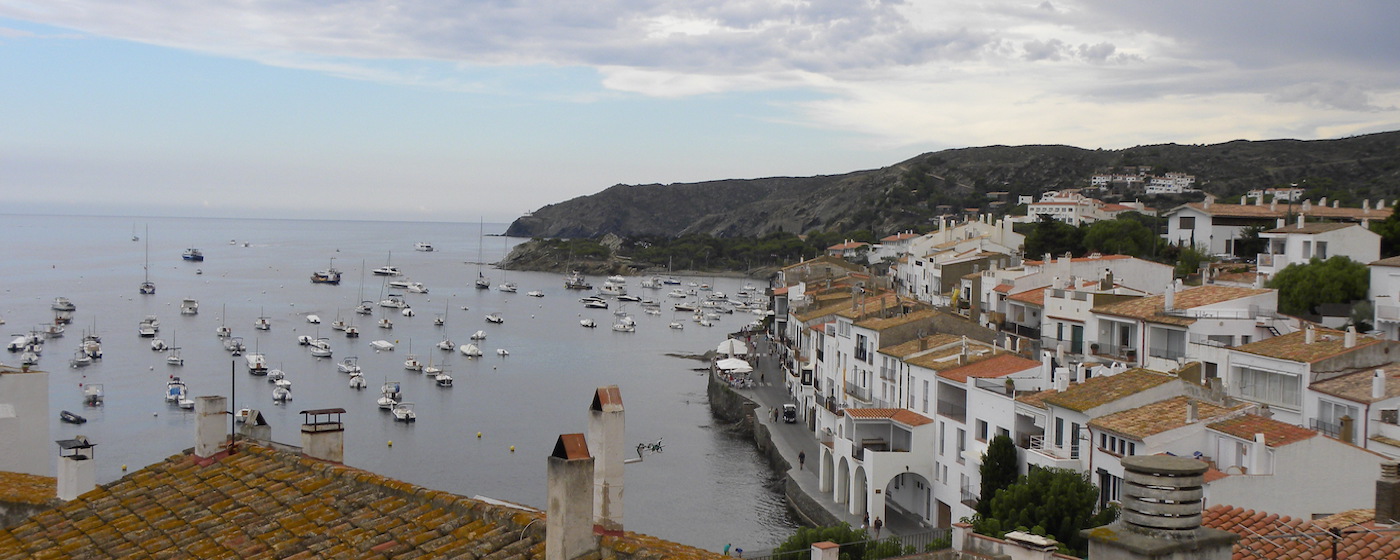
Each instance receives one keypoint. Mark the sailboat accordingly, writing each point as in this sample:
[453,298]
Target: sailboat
[506,286]
[440,320]
[134,237]
[482,282]
[148,288]
[366,307]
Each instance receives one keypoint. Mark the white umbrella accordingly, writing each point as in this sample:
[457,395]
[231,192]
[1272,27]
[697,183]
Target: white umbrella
[733,347]
[734,365]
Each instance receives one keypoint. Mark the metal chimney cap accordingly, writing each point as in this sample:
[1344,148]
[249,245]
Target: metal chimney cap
[1166,465]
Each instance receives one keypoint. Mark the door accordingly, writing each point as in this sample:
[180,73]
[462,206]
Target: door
[1076,343]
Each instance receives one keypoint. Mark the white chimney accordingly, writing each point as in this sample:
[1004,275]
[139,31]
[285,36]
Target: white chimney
[1366,205]
[1273,205]
[1169,297]
[1192,412]
[605,437]
[1322,202]
[1307,205]
[1309,335]
[1300,221]
[1061,379]
[1336,203]
[211,434]
[569,521]
[1280,222]
[826,550]
[77,471]
[1079,371]
[1256,454]
[1046,371]
[1378,384]
[1349,339]
[323,434]
[1258,201]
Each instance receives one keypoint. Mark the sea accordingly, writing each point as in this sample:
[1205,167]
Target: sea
[488,435]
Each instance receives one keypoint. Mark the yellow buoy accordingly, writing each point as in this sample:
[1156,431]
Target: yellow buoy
[512,449]
[478,435]
[391,443]
[123,467]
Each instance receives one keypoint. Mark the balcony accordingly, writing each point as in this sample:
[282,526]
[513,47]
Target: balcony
[1265,260]
[1170,353]
[1043,454]
[1020,330]
[857,392]
[969,497]
[1125,353]
[1329,429]
[1388,313]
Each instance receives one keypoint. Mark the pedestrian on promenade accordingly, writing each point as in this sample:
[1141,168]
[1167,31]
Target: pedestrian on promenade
[726,548]
[878,525]
[762,377]
[865,521]
[801,460]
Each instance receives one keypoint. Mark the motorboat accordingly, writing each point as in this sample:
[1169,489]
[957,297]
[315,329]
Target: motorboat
[63,304]
[71,418]
[62,317]
[91,346]
[93,395]
[174,357]
[29,358]
[389,395]
[52,331]
[223,331]
[403,412]
[148,327]
[446,345]
[685,306]
[439,321]
[305,340]
[677,325]
[625,297]
[625,324]
[612,289]
[357,381]
[502,352]
[193,254]
[328,276]
[18,344]
[174,390]
[313,319]
[387,270]
[283,382]
[189,306]
[508,287]
[495,318]
[594,303]
[479,335]
[617,279]
[159,345]
[382,345]
[393,300]
[576,281]
[412,363]
[442,379]
[653,283]
[80,360]
[281,394]
[235,345]
[407,312]
[588,323]
[651,311]
[718,296]
[385,323]
[470,350]
[257,364]
[423,246]
[352,332]
[366,307]
[416,288]
[349,364]
[242,415]
[185,403]
[263,324]
[677,293]
[671,281]
[275,374]
[534,293]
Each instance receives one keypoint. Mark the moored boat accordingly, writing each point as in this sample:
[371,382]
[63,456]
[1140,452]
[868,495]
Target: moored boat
[71,418]
[193,254]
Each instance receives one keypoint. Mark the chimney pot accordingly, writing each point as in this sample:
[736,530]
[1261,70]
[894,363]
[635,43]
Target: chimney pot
[569,521]
[210,427]
[1388,493]
[1192,412]
[1348,431]
[1378,384]
[1309,335]
[1349,339]
[77,471]
[323,434]
[606,424]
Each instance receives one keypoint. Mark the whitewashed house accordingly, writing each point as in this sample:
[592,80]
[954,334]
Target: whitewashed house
[1214,227]
[1384,293]
[1277,371]
[1302,241]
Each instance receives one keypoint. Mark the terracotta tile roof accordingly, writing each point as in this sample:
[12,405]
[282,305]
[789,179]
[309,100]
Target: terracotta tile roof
[27,488]
[906,349]
[1153,308]
[1003,288]
[1099,391]
[824,259]
[901,415]
[819,312]
[1276,434]
[899,237]
[1158,417]
[873,304]
[882,323]
[1313,227]
[1036,399]
[946,359]
[1086,259]
[264,503]
[781,291]
[1356,387]
[847,245]
[1000,365]
[1263,535]
[1389,261]
[1293,347]
[1282,211]
[1033,297]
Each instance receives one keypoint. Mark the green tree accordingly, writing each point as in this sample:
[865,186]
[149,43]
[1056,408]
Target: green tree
[1189,260]
[1249,244]
[1056,503]
[999,470]
[1389,230]
[1054,237]
[1302,287]
[1119,237]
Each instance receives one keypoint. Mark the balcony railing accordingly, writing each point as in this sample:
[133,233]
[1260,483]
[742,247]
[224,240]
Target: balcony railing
[857,392]
[1127,353]
[1170,353]
[1388,312]
[1020,330]
[969,497]
[1329,429]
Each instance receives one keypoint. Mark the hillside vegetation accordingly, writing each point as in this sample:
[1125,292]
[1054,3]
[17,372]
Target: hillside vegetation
[910,194]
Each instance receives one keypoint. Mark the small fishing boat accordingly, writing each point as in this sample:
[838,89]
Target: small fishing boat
[338,325]
[443,379]
[470,350]
[423,246]
[357,381]
[193,254]
[52,331]
[446,345]
[185,403]
[502,352]
[80,360]
[382,345]
[385,323]
[352,332]
[495,318]
[403,412]
[174,390]
[412,363]
[71,418]
[234,345]
[534,293]
[313,319]
[63,304]
[349,364]
[257,364]
[588,323]
[92,394]
[189,306]
[576,281]
[388,395]
[479,335]
[174,358]
[242,415]
[328,276]
[263,324]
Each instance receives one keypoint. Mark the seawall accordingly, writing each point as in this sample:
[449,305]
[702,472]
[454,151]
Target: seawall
[737,412]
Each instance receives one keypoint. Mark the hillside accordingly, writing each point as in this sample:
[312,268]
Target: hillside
[909,194]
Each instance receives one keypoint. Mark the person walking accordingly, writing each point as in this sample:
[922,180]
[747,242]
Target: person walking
[879,524]
[801,460]
[726,548]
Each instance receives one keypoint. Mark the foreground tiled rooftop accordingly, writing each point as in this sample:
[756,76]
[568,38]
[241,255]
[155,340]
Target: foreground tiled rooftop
[1280,537]
[906,349]
[1158,417]
[27,488]
[264,503]
[1276,434]
[1356,386]
[1099,391]
[1153,308]
[1294,347]
[1000,365]
[901,415]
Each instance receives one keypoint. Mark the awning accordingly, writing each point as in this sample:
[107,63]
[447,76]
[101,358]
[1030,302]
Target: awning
[733,347]
[734,365]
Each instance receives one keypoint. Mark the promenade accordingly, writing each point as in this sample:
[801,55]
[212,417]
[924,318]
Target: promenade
[770,392]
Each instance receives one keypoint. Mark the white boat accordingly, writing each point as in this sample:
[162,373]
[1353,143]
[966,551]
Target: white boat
[243,415]
[482,282]
[588,323]
[479,335]
[671,281]
[508,287]
[174,357]
[282,394]
[189,307]
[495,318]
[534,293]
[235,345]
[352,332]
[338,325]
[52,331]
[159,345]
[349,364]
[357,381]
[80,359]
[366,307]
[262,323]
[223,331]
[387,270]
[394,301]
[595,303]
[321,348]
[443,379]
[29,358]
[625,324]
[470,350]
[403,412]
[174,390]
[149,326]
[653,283]
[274,375]
[412,363]
[148,288]
[617,279]
[382,345]
[305,340]
[576,281]
[406,312]
[283,382]
[62,304]
[257,364]
[439,321]
[328,276]
[677,325]
[92,394]
[446,345]
[388,395]
[612,289]
[416,288]
[502,352]
[423,246]
[651,311]
[313,319]
[677,293]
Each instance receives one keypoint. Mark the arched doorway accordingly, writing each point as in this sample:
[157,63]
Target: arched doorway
[860,500]
[911,494]
[842,492]
[826,471]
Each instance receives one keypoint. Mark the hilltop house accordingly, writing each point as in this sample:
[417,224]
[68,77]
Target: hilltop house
[1302,241]
[1214,227]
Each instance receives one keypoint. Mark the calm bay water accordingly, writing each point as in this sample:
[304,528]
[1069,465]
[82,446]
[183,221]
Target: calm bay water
[706,489]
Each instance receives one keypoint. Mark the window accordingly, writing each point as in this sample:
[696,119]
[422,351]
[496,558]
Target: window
[1307,249]
[1186,222]
[862,354]
[1268,386]
[1322,250]
[1167,343]
[942,435]
[1109,488]
[962,444]
[924,404]
[1059,432]
[981,430]
[1117,445]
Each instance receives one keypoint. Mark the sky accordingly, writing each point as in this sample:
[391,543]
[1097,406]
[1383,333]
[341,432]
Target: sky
[486,109]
